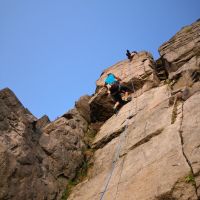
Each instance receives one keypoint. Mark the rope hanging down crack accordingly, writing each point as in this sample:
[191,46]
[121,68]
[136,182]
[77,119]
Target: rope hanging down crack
[117,152]
[118,149]
[115,159]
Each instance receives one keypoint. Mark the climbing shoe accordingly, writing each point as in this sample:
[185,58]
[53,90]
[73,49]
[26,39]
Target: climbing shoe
[116,110]
[128,99]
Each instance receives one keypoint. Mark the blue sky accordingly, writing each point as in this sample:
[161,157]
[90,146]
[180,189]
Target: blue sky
[52,52]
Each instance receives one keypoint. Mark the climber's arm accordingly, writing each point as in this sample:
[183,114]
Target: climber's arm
[119,79]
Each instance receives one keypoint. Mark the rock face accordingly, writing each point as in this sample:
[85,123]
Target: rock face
[38,157]
[148,151]
[63,142]
[181,56]
[139,74]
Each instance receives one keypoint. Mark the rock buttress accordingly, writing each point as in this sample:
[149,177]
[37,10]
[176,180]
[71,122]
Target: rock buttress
[150,149]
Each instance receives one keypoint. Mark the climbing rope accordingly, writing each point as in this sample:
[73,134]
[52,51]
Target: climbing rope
[118,149]
[122,140]
[125,134]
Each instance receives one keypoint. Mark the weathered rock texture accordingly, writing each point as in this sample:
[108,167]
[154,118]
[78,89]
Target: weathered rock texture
[38,157]
[139,74]
[181,56]
[148,151]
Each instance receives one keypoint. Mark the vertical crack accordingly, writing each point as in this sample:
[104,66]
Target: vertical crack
[174,111]
[182,144]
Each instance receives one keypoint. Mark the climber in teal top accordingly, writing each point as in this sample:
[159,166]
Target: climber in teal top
[110,79]
[115,89]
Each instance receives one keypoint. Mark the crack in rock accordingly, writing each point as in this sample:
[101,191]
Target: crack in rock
[144,140]
[105,140]
[182,148]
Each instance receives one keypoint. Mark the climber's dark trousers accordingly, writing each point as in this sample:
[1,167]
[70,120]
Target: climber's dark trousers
[117,97]
[116,91]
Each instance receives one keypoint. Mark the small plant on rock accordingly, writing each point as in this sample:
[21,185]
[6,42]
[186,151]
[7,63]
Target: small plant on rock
[190,179]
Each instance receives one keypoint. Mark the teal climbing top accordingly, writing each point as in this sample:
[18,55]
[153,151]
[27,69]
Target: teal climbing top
[110,79]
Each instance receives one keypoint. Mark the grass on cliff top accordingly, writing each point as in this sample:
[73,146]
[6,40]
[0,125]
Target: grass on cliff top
[187,29]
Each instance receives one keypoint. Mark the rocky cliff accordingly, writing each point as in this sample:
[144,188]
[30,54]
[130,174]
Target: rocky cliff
[148,150]
[38,157]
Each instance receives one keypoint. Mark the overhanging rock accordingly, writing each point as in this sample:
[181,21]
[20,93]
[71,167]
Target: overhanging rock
[139,75]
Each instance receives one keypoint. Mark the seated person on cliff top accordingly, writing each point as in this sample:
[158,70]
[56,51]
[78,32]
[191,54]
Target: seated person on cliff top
[130,55]
[115,89]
